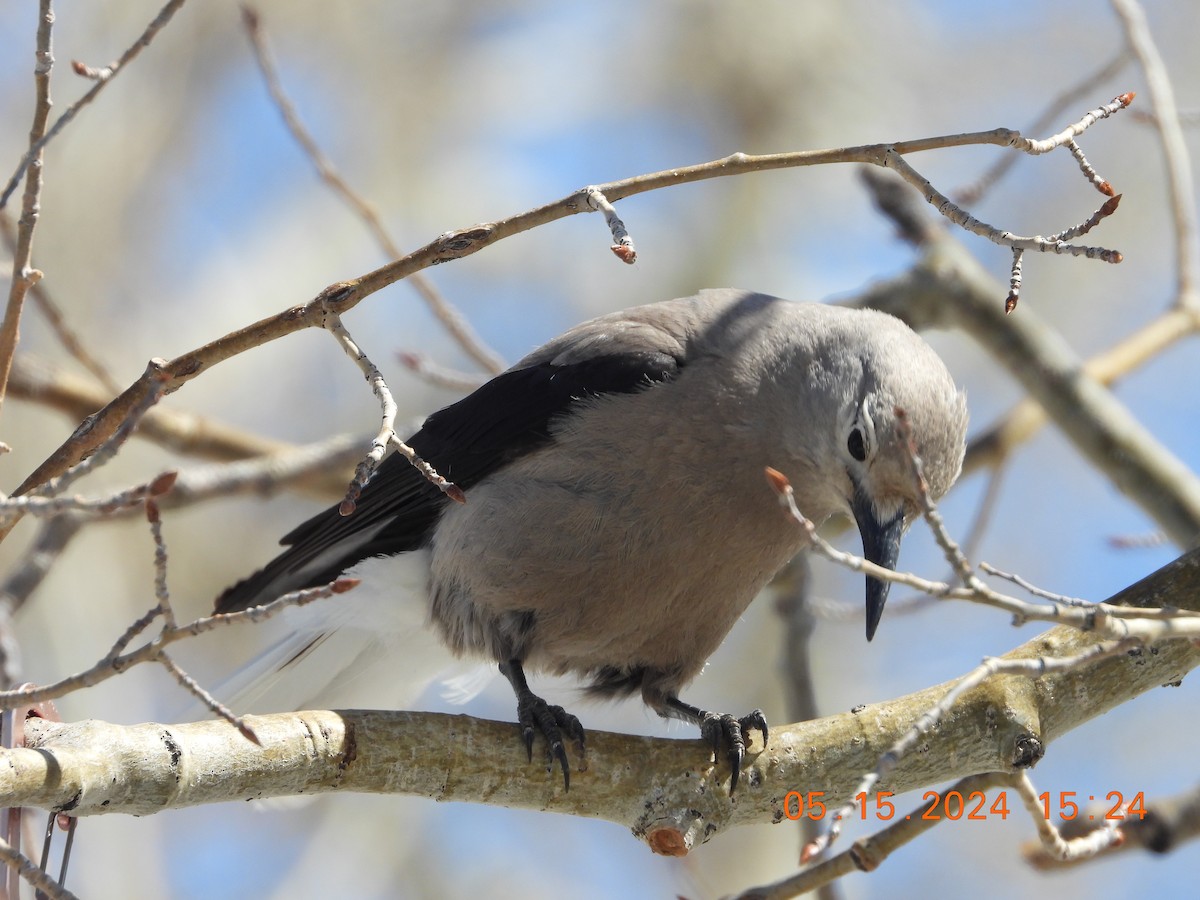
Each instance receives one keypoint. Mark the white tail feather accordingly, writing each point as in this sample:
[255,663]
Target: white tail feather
[367,648]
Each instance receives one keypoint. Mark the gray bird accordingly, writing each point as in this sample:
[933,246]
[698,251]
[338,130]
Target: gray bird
[617,518]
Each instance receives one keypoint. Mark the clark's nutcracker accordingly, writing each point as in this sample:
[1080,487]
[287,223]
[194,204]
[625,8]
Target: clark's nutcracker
[617,518]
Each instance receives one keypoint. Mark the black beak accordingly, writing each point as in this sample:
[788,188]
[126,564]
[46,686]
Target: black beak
[881,545]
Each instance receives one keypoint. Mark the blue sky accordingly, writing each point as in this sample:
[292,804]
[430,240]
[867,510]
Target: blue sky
[177,209]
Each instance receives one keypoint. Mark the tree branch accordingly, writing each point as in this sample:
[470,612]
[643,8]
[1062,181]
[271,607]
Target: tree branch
[90,768]
[948,288]
[341,297]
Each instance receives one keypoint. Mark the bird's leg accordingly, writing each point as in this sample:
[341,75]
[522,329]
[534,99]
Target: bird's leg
[721,731]
[551,721]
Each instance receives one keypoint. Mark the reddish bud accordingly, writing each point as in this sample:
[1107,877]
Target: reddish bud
[1127,97]
[248,733]
[810,850]
[152,514]
[454,492]
[1105,188]
[1010,304]
[344,584]
[625,253]
[777,480]
[163,483]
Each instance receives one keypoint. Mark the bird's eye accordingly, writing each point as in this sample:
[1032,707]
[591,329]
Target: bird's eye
[856,445]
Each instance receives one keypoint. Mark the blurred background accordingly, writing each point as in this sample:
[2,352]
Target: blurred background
[177,208]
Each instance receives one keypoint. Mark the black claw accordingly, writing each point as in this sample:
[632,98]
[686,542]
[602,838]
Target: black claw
[535,714]
[728,733]
[756,719]
[527,736]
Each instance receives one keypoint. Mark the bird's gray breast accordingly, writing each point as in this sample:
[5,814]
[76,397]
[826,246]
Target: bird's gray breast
[637,537]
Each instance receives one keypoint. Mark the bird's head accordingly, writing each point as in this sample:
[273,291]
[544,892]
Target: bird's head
[881,491]
[880,488]
[871,370]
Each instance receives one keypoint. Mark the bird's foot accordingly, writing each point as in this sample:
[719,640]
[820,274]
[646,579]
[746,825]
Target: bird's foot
[728,733]
[534,714]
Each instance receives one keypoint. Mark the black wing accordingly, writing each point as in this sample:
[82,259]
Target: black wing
[507,417]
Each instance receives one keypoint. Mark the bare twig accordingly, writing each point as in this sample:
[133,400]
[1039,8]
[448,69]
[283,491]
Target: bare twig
[1181,189]
[622,243]
[1033,667]
[211,703]
[156,25]
[180,431]
[118,659]
[95,506]
[867,854]
[24,276]
[1166,823]
[58,323]
[1052,841]
[343,296]
[1014,282]
[966,221]
[1046,119]
[1031,588]
[443,310]
[387,430]
[32,874]
[1104,620]
[153,390]
[438,375]
[1067,136]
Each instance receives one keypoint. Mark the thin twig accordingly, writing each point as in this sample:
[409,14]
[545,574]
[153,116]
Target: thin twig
[1160,826]
[973,192]
[95,506]
[443,310]
[622,245]
[1181,188]
[1052,841]
[387,430]
[24,276]
[867,854]
[967,222]
[193,687]
[1106,621]
[25,867]
[1067,136]
[153,391]
[58,321]
[180,431]
[1033,589]
[156,25]
[1031,668]
[343,296]
[161,591]
[119,660]
[438,375]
